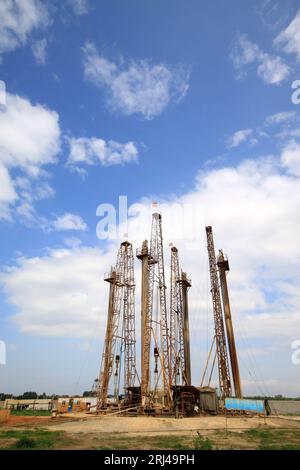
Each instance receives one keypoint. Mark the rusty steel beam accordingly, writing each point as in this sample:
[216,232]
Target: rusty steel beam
[146,318]
[223,266]
[186,284]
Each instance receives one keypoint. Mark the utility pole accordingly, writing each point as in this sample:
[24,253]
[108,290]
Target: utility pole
[224,375]
[223,266]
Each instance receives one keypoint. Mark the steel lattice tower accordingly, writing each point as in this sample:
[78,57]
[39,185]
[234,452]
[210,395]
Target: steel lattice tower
[177,350]
[224,374]
[114,309]
[129,315]
[153,272]
[156,253]
[120,324]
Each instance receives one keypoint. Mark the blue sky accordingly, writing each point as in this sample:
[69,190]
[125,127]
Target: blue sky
[186,103]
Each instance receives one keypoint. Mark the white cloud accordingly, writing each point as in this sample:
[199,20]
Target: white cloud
[289,38]
[136,88]
[7,192]
[283,120]
[272,69]
[18,18]
[80,7]
[39,51]
[29,135]
[72,242]
[291,158]
[280,117]
[29,140]
[58,294]
[29,191]
[239,137]
[69,222]
[244,53]
[92,151]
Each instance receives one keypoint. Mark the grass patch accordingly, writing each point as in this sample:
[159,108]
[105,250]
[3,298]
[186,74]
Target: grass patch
[275,439]
[25,443]
[33,439]
[144,442]
[201,443]
[259,438]
[30,413]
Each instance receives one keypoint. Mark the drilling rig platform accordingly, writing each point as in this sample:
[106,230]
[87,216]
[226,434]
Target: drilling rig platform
[162,383]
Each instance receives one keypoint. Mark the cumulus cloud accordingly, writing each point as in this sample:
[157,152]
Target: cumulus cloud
[58,294]
[18,18]
[29,140]
[29,135]
[69,222]
[289,38]
[271,69]
[291,158]
[93,151]
[137,87]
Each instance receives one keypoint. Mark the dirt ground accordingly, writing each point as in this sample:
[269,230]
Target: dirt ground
[162,425]
[28,420]
[81,431]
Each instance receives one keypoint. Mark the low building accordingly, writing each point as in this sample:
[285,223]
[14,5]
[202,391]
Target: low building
[75,404]
[28,404]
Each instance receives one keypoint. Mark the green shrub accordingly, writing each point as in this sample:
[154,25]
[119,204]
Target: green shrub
[25,443]
[202,444]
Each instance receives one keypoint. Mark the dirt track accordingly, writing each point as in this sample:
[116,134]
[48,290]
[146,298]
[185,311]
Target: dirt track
[145,425]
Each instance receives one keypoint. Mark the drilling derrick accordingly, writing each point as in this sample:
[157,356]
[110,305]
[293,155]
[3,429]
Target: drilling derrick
[128,315]
[156,253]
[178,332]
[223,266]
[153,272]
[173,318]
[224,375]
[113,317]
[120,326]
